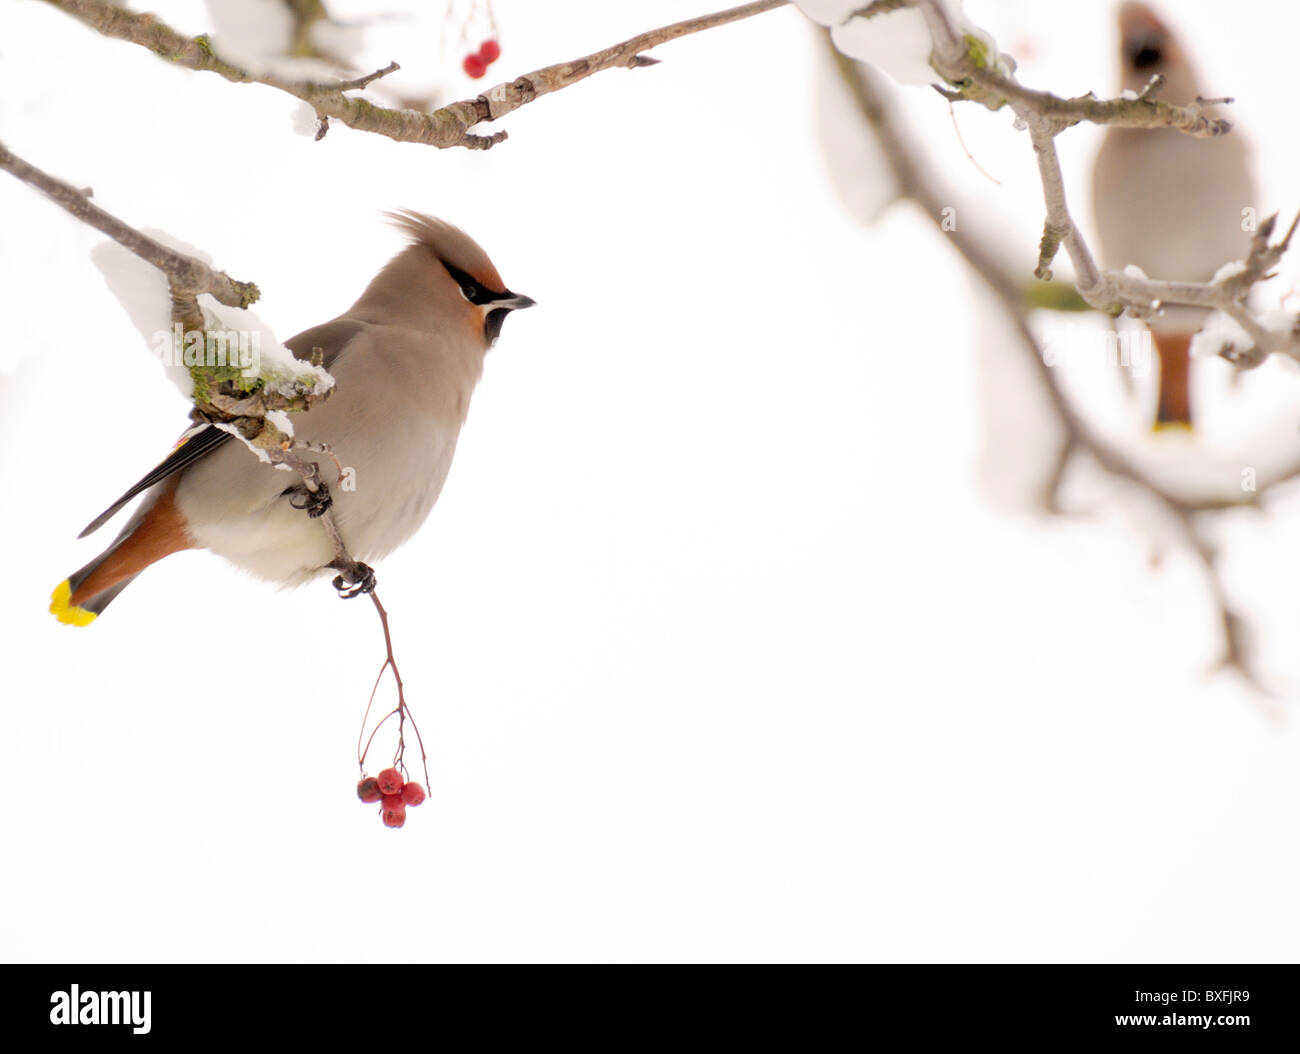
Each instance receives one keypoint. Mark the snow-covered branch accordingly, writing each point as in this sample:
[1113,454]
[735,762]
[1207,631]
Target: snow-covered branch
[232,394]
[916,182]
[447,126]
[969,61]
[240,406]
[1113,291]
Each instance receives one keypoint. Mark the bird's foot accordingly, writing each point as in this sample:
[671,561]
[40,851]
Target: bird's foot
[317,502]
[357,579]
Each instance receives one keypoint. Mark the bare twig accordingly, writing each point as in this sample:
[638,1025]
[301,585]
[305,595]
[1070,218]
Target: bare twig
[962,61]
[505,98]
[445,127]
[916,184]
[321,448]
[188,276]
[402,710]
[1046,116]
[363,82]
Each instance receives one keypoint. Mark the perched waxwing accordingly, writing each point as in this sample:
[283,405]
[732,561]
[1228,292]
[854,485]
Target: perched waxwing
[1173,205]
[405,357]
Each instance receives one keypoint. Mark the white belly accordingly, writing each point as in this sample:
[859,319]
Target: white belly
[235,504]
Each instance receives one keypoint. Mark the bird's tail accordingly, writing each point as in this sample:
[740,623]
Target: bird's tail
[86,609]
[158,529]
[1174,410]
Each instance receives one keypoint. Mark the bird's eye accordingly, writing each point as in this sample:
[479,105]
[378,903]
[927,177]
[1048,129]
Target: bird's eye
[1143,54]
[468,292]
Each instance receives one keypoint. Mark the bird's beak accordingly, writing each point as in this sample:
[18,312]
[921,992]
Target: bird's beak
[514,302]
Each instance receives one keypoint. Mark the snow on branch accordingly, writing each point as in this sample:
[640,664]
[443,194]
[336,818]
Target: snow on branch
[246,412]
[968,59]
[448,126]
[230,393]
[238,403]
[188,276]
[915,181]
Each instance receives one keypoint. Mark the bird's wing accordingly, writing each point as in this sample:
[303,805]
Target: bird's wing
[201,440]
[331,337]
[194,444]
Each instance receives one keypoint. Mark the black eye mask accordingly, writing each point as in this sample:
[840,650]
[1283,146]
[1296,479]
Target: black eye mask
[474,292]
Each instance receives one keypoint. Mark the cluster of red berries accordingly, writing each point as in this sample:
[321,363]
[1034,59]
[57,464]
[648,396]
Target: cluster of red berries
[477,63]
[394,792]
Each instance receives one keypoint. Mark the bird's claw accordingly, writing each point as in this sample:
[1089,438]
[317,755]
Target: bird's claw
[317,502]
[363,581]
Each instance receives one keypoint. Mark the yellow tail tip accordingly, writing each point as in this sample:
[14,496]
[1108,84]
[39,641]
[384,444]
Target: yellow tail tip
[1173,428]
[62,608]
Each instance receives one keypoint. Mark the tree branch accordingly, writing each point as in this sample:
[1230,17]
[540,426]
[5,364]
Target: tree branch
[915,184]
[188,276]
[505,98]
[962,61]
[218,396]
[445,127]
[1046,116]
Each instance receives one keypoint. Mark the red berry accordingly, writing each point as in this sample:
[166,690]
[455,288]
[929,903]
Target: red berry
[474,66]
[394,811]
[368,790]
[390,781]
[489,52]
[413,794]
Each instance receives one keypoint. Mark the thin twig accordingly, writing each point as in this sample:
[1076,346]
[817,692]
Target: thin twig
[402,710]
[505,98]
[368,79]
[445,127]
[1046,116]
[982,81]
[188,275]
[916,184]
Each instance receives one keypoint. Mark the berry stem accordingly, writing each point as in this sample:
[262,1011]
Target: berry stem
[402,710]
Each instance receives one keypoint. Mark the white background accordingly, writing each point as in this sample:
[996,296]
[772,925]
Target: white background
[720,646]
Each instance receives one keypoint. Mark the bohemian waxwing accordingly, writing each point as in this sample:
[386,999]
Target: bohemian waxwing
[1171,204]
[406,357]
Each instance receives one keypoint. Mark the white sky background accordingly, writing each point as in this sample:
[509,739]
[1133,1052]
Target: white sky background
[721,647]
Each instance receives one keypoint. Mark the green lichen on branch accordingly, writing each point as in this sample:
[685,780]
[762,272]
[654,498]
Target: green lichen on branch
[979,51]
[1048,246]
[1054,295]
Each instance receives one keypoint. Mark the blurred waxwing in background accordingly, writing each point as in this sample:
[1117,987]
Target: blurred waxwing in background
[1167,202]
[406,357]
